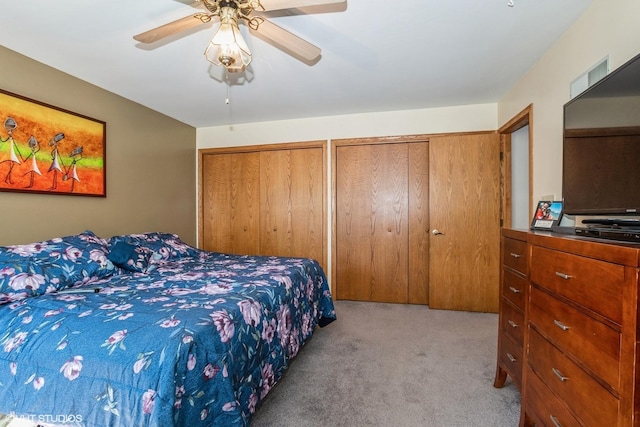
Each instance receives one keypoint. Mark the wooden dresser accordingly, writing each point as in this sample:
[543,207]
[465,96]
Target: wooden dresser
[514,279]
[581,332]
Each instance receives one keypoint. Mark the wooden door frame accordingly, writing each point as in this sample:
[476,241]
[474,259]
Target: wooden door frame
[520,120]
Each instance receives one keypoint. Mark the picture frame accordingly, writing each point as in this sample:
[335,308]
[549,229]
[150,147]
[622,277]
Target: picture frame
[547,215]
[49,150]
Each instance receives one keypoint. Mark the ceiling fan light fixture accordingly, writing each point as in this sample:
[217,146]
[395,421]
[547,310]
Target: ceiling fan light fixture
[228,48]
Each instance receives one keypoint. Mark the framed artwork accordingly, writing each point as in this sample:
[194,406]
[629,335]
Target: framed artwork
[547,215]
[45,149]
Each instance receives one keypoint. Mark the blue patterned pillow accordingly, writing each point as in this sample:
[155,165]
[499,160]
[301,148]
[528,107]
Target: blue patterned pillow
[38,268]
[19,281]
[163,246]
[130,257]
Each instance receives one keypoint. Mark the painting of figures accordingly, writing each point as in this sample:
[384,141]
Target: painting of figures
[45,149]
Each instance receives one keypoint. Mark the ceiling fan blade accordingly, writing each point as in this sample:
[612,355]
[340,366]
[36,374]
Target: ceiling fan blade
[169,29]
[192,3]
[289,42]
[288,4]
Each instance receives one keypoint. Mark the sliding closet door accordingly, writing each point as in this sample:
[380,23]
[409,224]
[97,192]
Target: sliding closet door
[231,203]
[465,218]
[265,200]
[291,203]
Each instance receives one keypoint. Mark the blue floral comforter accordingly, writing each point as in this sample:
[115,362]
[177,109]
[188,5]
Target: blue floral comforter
[197,340]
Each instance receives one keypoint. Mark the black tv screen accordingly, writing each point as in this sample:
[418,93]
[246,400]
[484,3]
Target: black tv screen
[601,149]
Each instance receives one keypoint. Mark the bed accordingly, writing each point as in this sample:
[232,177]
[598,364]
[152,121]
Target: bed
[144,330]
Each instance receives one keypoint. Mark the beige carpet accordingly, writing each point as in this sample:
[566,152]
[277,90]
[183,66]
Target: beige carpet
[395,365]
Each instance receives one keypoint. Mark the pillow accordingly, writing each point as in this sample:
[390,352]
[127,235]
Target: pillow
[38,268]
[90,251]
[163,246]
[77,257]
[19,281]
[130,257]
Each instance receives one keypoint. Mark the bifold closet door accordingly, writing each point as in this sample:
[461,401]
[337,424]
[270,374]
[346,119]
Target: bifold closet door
[419,223]
[381,246]
[231,203]
[465,217]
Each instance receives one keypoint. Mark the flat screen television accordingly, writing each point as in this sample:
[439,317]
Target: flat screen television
[601,148]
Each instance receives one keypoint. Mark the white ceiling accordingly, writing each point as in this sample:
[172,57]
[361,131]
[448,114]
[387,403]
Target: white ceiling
[377,55]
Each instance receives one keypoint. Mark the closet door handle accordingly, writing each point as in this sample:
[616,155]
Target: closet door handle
[437,232]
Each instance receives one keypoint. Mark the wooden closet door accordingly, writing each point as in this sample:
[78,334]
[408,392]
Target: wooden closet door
[464,179]
[292,203]
[371,222]
[231,202]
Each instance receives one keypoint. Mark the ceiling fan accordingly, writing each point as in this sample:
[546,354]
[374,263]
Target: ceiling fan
[227,47]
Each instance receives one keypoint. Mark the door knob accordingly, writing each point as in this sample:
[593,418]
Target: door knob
[436,232]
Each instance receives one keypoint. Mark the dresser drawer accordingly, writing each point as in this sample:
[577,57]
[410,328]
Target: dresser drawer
[544,407]
[595,344]
[589,400]
[512,322]
[513,288]
[594,284]
[511,358]
[515,255]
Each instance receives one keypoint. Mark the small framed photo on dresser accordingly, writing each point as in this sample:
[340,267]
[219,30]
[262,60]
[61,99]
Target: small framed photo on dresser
[547,214]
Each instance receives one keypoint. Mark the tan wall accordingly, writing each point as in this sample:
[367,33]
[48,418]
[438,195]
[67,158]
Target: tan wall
[150,157]
[608,27]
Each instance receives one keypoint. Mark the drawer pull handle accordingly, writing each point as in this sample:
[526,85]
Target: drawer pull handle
[511,358]
[564,276]
[515,255]
[514,290]
[561,325]
[513,324]
[559,375]
[555,421]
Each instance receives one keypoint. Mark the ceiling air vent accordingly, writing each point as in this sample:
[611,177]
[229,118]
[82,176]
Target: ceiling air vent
[589,77]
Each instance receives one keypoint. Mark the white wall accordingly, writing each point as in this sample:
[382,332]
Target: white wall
[409,122]
[608,27]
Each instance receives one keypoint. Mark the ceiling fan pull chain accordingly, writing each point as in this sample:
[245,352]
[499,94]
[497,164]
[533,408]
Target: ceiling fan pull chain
[228,100]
